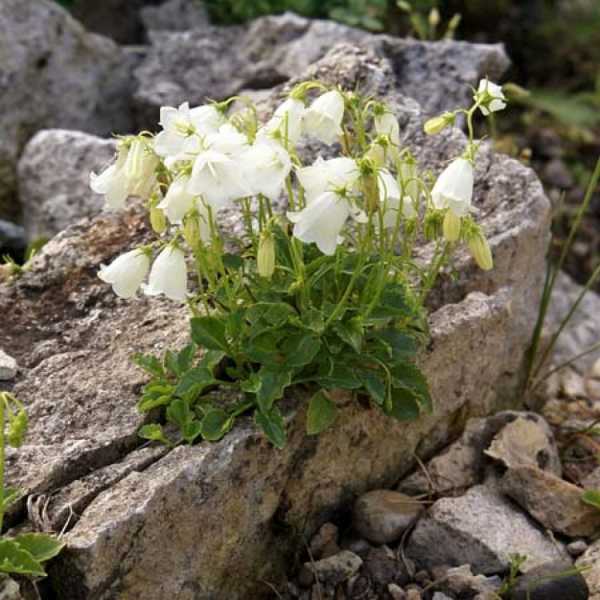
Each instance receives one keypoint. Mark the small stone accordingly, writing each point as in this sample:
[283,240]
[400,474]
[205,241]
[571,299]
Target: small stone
[592,387]
[324,542]
[335,569]
[552,581]
[572,384]
[383,568]
[553,502]
[595,370]
[462,581]
[413,593]
[396,592]
[440,596]
[589,563]
[8,367]
[382,516]
[9,590]
[357,545]
[577,548]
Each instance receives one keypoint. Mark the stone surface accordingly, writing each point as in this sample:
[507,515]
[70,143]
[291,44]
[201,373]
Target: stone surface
[384,568]
[9,590]
[552,501]
[462,582]
[382,516]
[175,15]
[592,481]
[180,528]
[481,529]
[335,569]
[577,548]
[53,73]
[8,366]
[12,239]
[54,179]
[589,564]
[553,581]
[325,542]
[216,62]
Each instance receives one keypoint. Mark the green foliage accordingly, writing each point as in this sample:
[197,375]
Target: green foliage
[591,497]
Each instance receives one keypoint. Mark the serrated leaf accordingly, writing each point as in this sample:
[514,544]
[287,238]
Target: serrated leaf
[591,497]
[149,363]
[375,385]
[209,332]
[215,424]
[272,425]
[178,412]
[185,358]
[351,332]
[211,358]
[41,546]
[195,379]
[322,412]
[300,349]
[340,376]
[409,376]
[14,559]
[271,388]
[274,314]
[403,405]
[151,401]
[401,346]
[154,433]
[191,430]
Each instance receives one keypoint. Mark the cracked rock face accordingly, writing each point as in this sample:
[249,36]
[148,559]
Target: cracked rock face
[204,521]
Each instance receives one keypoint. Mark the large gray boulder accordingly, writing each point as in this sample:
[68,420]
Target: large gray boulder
[216,521]
[217,62]
[53,73]
[54,179]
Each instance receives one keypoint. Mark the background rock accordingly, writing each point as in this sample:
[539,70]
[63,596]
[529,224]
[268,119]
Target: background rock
[175,15]
[553,581]
[54,179]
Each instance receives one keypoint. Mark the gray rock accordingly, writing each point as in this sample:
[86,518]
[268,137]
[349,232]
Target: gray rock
[589,563]
[382,516]
[552,501]
[592,481]
[12,238]
[396,592]
[577,548]
[54,179]
[384,568]
[8,366]
[552,581]
[54,74]
[440,596]
[187,522]
[462,581]
[175,15]
[325,542]
[9,590]
[481,529]
[335,569]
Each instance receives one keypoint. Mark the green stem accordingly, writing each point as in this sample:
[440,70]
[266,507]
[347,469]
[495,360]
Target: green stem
[2,456]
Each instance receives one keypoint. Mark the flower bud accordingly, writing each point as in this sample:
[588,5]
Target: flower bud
[266,255]
[480,250]
[158,220]
[191,230]
[452,224]
[438,124]
[434,17]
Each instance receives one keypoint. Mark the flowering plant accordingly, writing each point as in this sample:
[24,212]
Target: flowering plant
[326,295]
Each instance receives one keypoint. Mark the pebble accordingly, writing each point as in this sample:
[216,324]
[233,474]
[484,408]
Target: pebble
[337,568]
[325,542]
[382,516]
[413,593]
[577,548]
[8,367]
[589,562]
[440,596]
[396,592]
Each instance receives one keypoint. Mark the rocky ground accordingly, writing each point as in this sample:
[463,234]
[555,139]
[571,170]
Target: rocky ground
[438,508]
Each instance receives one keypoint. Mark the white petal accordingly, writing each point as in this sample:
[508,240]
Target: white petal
[323,119]
[168,275]
[326,175]
[266,165]
[454,187]
[177,201]
[387,124]
[126,273]
[206,119]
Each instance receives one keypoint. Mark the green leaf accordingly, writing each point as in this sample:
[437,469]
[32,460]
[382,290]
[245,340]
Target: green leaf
[274,314]
[11,495]
[154,399]
[404,405]
[341,376]
[351,332]
[185,358]
[233,262]
[409,376]
[272,426]
[272,386]
[209,332]
[322,412]
[14,559]
[178,412]
[215,424]
[17,428]
[41,546]
[154,433]
[402,346]
[191,430]
[170,362]
[264,347]
[300,349]
[591,497]
[211,358]
[149,363]
[195,379]
[374,384]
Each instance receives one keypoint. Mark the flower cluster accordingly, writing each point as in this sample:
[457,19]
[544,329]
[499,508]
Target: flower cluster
[342,249]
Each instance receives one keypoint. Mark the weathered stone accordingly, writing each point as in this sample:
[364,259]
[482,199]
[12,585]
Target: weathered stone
[552,501]
[181,527]
[175,15]
[589,564]
[396,592]
[592,480]
[335,569]
[383,567]
[481,529]
[325,542]
[54,74]
[382,516]
[9,590]
[577,548]
[526,441]
[8,366]
[462,581]
[552,581]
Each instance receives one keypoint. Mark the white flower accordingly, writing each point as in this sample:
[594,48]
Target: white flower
[387,124]
[266,165]
[227,140]
[178,200]
[180,123]
[126,273]
[323,119]
[391,199]
[454,187]
[287,121]
[322,221]
[493,97]
[168,275]
[112,183]
[327,175]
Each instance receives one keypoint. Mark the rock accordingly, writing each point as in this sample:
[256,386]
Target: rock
[440,596]
[461,581]
[8,366]
[552,501]
[592,481]
[589,564]
[181,526]
[12,239]
[54,179]
[552,581]
[382,516]
[577,548]
[384,568]
[526,441]
[54,74]
[217,62]
[335,569]
[463,463]
[583,329]
[9,590]
[325,542]
[175,15]
[413,593]
[481,529]
[396,592]
[557,174]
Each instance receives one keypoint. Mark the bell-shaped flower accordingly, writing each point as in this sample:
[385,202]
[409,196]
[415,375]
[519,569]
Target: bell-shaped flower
[454,187]
[112,183]
[327,175]
[179,124]
[391,199]
[322,221]
[387,124]
[196,224]
[491,96]
[178,200]
[126,273]
[323,119]
[168,275]
[266,165]
[286,122]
